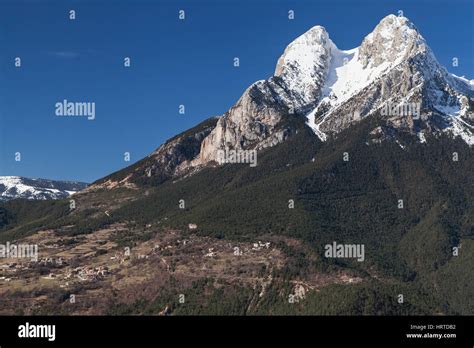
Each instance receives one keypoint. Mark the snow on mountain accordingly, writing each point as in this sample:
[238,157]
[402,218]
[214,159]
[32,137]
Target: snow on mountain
[304,65]
[352,70]
[12,187]
[346,76]
[468,83]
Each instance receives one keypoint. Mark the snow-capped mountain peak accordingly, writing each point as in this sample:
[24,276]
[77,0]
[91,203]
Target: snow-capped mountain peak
[307,52]
[303,66]
[393,66]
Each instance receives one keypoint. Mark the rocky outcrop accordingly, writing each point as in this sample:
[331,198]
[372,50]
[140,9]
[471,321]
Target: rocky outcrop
[393,39]
[294,89]
[251,120]
[170,160]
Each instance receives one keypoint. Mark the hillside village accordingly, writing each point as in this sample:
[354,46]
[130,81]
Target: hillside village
[78,266]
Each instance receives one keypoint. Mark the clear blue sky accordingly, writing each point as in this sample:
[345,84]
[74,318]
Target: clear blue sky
[173,62]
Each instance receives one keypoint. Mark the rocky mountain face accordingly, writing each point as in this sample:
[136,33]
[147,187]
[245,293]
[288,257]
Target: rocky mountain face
[295,88]
[13,187]
[172,159]
[392,73]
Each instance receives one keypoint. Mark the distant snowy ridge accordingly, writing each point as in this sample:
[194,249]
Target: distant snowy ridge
[13,187]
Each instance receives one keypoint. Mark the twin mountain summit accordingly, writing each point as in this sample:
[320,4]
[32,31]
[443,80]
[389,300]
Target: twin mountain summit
[392,75]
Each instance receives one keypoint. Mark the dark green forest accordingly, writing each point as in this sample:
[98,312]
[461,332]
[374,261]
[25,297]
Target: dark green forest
[355,201]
